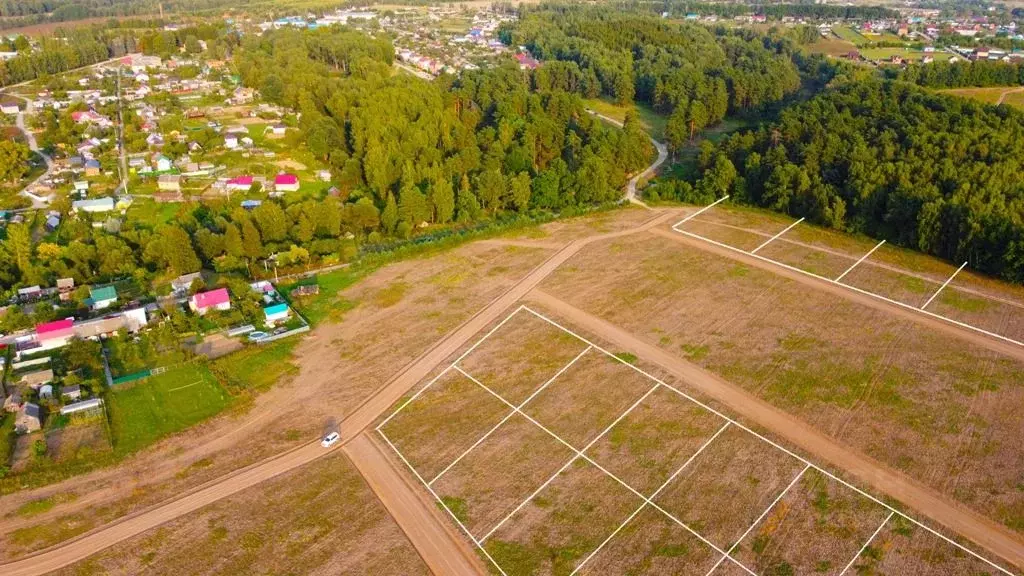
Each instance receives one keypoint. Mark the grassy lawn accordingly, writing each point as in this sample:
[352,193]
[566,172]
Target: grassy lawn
[989,95]
[849,35]
[906,53]
[653,122]
[256,368]
[162,405]
[832,46]
[327,305]
[1015,99]
[151,213]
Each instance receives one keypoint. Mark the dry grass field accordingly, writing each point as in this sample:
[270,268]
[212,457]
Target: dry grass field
[536,507]
[321,519]
[931,405]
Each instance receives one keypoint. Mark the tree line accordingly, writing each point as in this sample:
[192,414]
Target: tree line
[962,74]
[931,172]
[679,8]
[693,74]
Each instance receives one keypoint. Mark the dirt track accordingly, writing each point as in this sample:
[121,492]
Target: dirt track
[444,551]
[1006,348]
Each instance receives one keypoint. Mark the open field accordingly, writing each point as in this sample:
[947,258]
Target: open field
[652,121]
[849,34]
[832,46]
[322,519]
[909,54]
[712,491]
[923,402]
[1010,95]
[148,410]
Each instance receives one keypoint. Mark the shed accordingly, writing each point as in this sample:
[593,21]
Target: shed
[73,392]
[102,297]
[276,313]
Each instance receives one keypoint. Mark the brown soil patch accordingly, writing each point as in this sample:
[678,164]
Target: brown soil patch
[432,430]
[723,491]
[521,355]
[647,446]
[817,527]
[588,397]
[322,519]
[500,473]
[653,545]
[567,520]
[904,548]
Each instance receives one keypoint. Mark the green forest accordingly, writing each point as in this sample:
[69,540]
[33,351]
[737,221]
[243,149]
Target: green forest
[692,74]
[888,159]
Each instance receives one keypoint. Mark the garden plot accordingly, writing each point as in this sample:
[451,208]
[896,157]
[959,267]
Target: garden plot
[605,469]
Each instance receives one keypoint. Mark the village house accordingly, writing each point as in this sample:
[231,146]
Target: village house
[162,163]
[92,168]
[239,184]
[10,108]
[276,313]
[181,285]
[203,302]
[105,204]
[73,392]
[36,379]
[169,183]
[286,183]
[102,297]
[56,334]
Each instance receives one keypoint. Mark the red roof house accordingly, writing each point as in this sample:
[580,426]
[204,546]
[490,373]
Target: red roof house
[240,183]
[526,61]
[203,302]
[55,329]
[286,183]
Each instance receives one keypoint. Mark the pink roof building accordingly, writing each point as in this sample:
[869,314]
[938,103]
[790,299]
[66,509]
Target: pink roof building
[286,183]
[57,329]
[240,183]
[218,299]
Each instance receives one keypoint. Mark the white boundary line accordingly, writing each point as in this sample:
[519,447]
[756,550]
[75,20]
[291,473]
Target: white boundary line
[855,289]
[776,445]
[857,263]
[510,414]
[769,241]
[197,382]
[450,366]
[944,284]
[441,502]
[651,497]
[865,546]
[479,542]
[701,211]
[728,552]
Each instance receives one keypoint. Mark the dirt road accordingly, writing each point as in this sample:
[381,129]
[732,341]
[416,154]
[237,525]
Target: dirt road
[1007,93]
[444,551]
[990,535]
[1000,346]
[648,172]
[356,423]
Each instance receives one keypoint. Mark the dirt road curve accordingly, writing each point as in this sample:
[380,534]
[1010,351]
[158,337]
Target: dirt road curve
[444,553]
[1005,348]
[367,413]
[991,536]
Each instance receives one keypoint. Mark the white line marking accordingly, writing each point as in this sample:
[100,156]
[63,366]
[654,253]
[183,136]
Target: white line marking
[197,382]
[862,258]
[510,414]
[579,453]
[865,546]
[855,289]
[701,211]
[759,518]
[768,241]
[463,355]
[441,502]
[772,443]
[944,284]
[651,497]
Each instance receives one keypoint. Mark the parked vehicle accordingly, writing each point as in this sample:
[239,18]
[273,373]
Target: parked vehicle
[330,439]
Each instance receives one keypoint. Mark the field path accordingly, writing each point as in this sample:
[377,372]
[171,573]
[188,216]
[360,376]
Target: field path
[986,533]
[443,550]
[351,427]
[1004,94]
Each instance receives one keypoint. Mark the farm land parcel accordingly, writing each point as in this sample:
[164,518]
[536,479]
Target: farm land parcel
[647,479]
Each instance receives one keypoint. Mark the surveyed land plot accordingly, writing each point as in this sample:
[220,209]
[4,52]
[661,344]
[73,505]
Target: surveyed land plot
[535,503]
[889,273]
[819,526]
[559,526]
[447,418]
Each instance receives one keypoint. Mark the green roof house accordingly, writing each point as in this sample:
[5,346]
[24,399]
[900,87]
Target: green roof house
[102,297]
[276,313]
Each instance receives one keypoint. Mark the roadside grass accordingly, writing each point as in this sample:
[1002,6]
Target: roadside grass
[328,304]
[256,368]
[989,95]
[36,507]
[151,409]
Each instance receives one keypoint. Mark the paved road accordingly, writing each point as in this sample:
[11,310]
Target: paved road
[355,424]
[986,533]
[1000,346]
[444,551]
